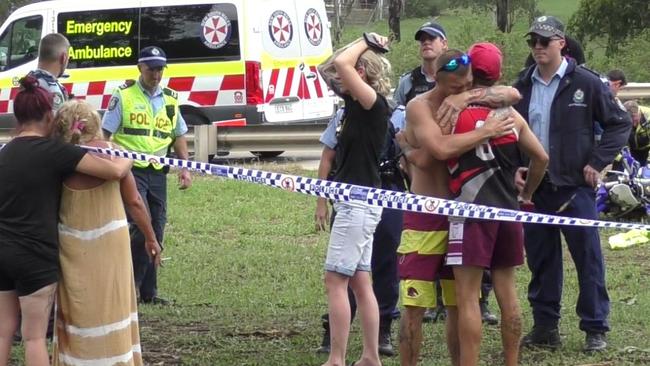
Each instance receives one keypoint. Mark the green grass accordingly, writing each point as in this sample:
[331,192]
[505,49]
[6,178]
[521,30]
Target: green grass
[246,276]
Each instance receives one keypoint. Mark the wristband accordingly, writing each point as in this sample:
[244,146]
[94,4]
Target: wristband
[371,41]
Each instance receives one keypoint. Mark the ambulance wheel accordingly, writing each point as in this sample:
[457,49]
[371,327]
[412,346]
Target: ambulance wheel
[267,154]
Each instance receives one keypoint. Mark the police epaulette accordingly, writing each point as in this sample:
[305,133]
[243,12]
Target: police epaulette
[598,75]
[127,84]
[170,92]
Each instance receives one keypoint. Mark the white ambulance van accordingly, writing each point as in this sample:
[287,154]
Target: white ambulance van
[232,62]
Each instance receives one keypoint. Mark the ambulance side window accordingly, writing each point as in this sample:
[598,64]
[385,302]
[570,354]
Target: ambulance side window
[192,33]
[19,42]
[100,37]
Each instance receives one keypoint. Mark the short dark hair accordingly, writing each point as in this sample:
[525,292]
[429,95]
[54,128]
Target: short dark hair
[51,47]
[617,75]
[448,56]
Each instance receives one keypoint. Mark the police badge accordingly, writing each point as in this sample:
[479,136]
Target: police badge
[579,96]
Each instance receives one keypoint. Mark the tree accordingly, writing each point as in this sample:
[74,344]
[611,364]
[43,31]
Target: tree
[394,12]
[8,6]
[505,10]
[613,21]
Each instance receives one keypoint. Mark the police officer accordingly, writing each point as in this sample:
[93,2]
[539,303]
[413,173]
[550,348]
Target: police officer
[639,141]
[432,39]
[142,116]
[561,102]
[52,62]
[387,234]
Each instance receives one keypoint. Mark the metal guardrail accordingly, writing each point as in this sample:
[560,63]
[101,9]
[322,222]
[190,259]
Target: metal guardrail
[206,140]
[635,91]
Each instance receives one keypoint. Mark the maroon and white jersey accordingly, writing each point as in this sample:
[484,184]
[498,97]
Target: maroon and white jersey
[485,175]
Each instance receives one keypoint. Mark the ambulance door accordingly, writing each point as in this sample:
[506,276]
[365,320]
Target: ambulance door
[281,60]
[316,45]
[20,36]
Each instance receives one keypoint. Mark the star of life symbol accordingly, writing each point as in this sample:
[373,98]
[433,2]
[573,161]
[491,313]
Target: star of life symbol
[215,29]
[313,27]
[280,29]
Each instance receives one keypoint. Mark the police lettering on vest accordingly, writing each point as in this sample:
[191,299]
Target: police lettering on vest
[141,129]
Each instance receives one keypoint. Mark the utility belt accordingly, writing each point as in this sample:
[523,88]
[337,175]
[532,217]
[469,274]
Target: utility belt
[150,169]
[391,174]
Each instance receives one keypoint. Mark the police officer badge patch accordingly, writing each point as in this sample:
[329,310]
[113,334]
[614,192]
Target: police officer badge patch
[112,103]
[57,100]
[579,96]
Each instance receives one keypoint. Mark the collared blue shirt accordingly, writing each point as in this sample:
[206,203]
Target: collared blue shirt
[112,119]
[328,137]
[539,110]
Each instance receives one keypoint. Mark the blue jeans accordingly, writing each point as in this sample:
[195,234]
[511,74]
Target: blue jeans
[544,256]
[152,186]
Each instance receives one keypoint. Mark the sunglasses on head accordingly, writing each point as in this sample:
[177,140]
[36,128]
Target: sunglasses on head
[543,41]
[455,63]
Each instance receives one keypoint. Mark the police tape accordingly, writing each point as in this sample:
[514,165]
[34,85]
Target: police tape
[371,196]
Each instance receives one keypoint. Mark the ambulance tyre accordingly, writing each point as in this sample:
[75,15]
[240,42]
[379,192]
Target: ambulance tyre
[193,119]
[267,154]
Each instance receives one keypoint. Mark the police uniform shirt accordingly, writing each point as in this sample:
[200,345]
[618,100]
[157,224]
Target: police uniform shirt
[404,86]
[113,116]
[48,82]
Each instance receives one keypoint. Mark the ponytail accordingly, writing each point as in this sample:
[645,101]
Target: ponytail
[32,103]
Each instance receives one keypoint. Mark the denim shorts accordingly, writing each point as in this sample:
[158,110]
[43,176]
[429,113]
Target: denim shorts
[350,246]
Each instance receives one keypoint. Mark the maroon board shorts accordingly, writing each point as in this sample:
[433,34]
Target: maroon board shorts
[488,244]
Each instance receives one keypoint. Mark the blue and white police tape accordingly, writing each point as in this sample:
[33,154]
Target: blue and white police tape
[371,196]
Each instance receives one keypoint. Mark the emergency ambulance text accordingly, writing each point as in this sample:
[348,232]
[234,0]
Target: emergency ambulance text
[98,28]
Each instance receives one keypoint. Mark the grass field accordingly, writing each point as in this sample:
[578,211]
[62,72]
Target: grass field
[246,276]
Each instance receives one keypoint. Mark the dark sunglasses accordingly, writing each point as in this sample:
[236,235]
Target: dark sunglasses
[543,41]
[455,63]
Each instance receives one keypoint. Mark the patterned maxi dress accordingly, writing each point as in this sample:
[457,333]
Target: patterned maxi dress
[97,318]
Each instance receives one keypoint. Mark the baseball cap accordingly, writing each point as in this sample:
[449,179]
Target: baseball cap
[153,56]
[486,60]
[431,28]
[547,26]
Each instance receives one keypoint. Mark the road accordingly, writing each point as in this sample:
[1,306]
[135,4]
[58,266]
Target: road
[306,159]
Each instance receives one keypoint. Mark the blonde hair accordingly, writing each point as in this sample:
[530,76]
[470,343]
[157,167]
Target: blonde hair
[78,122]
[377,69]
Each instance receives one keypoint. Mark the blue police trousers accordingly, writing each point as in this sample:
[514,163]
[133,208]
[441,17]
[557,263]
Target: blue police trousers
[544,257]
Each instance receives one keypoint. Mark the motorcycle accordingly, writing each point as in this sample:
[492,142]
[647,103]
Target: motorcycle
[624,193]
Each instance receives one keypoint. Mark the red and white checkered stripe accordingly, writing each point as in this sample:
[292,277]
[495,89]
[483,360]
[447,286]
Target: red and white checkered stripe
[292,82]
[198,91]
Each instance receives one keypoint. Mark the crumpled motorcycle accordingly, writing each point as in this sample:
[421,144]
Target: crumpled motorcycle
[624,193]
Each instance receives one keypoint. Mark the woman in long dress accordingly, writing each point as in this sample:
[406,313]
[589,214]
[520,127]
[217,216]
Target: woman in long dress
[97,318]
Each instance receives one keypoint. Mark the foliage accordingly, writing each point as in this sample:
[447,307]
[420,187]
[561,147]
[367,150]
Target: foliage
[614,21]
[424,8]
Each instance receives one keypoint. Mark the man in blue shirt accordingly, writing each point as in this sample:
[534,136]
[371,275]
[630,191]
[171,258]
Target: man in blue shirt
[561,101]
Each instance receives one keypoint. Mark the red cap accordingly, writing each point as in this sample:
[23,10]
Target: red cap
[486,59]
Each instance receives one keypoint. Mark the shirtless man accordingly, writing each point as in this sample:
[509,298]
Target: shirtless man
[424,238]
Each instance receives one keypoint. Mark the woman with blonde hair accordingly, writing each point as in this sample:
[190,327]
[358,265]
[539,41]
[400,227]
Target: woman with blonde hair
[359,74]
[97,319]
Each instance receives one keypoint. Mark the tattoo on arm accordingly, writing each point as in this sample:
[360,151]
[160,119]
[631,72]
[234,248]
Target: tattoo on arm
[493,96]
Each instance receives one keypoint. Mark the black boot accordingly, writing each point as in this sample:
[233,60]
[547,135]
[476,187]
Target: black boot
[487,316]
[385,343]
[325,343]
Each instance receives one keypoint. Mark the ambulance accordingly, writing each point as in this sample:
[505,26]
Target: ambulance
[232,62]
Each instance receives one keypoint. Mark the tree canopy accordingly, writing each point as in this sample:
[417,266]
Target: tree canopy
[612,21]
